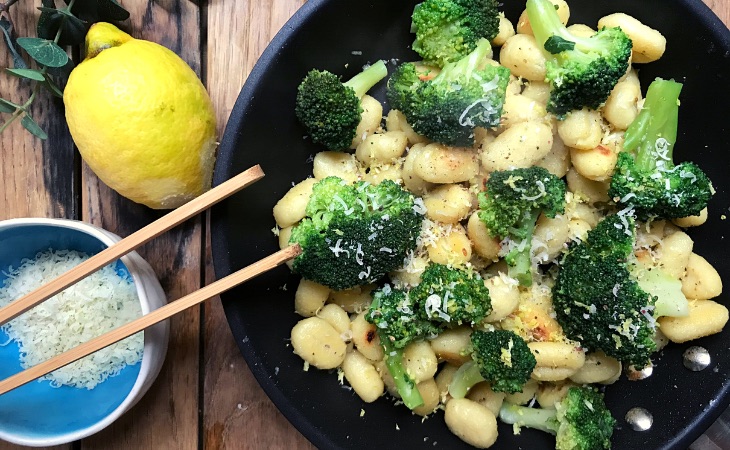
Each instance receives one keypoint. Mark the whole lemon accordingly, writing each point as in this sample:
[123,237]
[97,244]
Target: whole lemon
[141,118]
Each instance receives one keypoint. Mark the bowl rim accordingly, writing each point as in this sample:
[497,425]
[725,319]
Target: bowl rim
[148,369]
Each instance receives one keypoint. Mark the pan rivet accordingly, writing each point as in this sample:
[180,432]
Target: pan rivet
[696,358]
[639,418]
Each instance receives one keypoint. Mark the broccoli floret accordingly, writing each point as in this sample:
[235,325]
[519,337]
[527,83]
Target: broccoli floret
[447,30]
[580,421]
[500,357]
[649,181]
[395,316]
[510,206]
[446,296]
[354,234]
[581,71]
[329,109]
[598,302]
[461,97]
[452,295]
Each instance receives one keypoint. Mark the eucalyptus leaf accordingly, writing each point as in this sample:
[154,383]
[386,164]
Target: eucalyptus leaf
[45,51]
[111,10]
[85,9]
[30,74]
[6,106]
[61,72]
[74,29]
[51,86]
[99,10]
[6,27]
[30,125]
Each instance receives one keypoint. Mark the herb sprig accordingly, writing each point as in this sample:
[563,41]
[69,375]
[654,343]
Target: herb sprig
[57,27]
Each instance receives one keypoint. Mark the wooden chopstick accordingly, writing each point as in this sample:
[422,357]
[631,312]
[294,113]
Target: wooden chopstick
[150,319]
[131,242]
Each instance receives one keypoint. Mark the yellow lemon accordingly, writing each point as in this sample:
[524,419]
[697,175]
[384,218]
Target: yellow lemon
[141,118]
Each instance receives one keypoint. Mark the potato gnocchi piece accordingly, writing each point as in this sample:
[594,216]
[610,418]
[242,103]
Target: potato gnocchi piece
[372,115]
[318,343]
[705,318]
[648,43]
[437,163]
[521,145]
[362,376]
[522,55]
[472,422]
[310,298]
[448,203]
[335,164]
[291,208]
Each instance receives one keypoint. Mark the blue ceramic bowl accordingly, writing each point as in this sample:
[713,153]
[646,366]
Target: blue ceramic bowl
[38,414]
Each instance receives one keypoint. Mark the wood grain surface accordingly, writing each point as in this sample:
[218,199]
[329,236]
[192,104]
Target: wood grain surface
[205,396]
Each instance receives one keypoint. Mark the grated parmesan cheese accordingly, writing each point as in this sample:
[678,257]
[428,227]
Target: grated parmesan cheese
[95,305]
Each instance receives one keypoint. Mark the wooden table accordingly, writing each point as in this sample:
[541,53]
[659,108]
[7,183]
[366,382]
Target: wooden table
[205,396]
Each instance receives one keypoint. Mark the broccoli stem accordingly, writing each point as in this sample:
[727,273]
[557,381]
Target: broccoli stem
[546,23]
[520,260]
[404,384]
[464,68]
[540,419]
[362,82]
[464,379]
[657,120]
[670,301]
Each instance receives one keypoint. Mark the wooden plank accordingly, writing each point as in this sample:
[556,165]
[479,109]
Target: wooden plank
[30,185]
[236,411]
[167,417]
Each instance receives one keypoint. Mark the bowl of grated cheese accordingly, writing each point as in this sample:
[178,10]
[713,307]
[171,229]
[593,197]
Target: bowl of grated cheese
[86,396]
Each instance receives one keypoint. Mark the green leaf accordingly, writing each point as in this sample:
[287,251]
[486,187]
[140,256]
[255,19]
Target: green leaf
[51,86]
[32,127]
[6,106]
[111,10]
[556,44]
[45,51]
[6,27]
[99,10]
[30,74]
[74,29]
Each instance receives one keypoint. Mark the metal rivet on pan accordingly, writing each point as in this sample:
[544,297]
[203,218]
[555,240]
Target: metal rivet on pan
[639,418]
[696,358]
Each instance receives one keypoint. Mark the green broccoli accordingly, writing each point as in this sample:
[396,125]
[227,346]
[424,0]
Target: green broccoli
[452,295]
[510,206]
[667,290]
[354,234]
[329,109]
[445,296]
[398,317]
[398,322]
[500,357]
[447,30]
[580,421]
[598,302]
[650,182]
[581,71]
[461,97]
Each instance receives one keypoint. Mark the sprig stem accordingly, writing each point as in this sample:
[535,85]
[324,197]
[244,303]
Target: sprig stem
[22,110]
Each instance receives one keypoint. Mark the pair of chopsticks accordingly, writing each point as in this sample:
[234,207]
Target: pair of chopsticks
[120,249]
